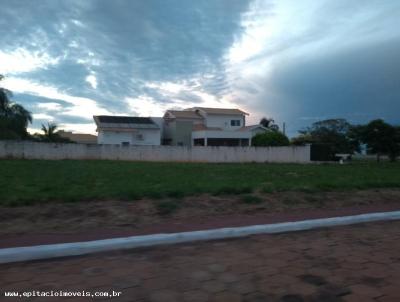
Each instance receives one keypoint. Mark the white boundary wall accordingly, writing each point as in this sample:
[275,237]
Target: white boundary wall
[53,151]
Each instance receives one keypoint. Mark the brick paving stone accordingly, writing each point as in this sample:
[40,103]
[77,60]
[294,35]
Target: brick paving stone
[227,297]
[186,284]
[243,268]
[387,299]
[200,275]
[213,286]
[164,296]
[365,290]
[341,264]
[391,290]
[228,277]
[243,287]
[155,283]
[92,271]
[206,260]
[216,268]
[270,271]
[357,298]
[302,289]
[122,283]
[195,296]
[258,297]
[70,279]
[292,298]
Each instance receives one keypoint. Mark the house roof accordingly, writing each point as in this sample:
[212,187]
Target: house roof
[252,127]
[108,122]
[227,111]
[78,137]
[185,114]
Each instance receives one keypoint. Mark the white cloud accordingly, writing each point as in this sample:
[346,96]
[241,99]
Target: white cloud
[22,60]
[146,105]
[166,87]
[34,130]
[42,116]
[92,80]
[50,106]
[80,106]
[89,128]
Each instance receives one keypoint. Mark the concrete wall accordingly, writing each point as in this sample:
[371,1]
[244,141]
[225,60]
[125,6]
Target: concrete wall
[30,150]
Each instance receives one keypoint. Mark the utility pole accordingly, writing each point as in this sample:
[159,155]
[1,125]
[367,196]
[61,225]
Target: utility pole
[284,128]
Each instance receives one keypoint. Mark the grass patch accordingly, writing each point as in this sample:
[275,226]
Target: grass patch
[39,181]
[232,191]
[251,199]
[175,194]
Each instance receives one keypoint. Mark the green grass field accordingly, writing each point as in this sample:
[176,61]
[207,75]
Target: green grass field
[35,181]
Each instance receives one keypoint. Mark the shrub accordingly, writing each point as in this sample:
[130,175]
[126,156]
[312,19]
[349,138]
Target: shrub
[270,138]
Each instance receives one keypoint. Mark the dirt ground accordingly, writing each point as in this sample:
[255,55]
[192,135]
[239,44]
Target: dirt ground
[145,214]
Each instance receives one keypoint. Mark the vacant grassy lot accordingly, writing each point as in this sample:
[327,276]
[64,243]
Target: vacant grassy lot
[32,181]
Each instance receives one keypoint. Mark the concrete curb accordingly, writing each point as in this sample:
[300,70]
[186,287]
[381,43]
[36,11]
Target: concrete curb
[17,254]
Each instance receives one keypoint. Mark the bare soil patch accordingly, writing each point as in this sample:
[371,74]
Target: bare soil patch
[146,215]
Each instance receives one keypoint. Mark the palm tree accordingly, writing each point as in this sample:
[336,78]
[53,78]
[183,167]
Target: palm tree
[18,111]
[50,133]
[14,117]
[4,99]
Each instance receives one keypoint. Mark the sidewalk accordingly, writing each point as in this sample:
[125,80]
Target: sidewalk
[352,263]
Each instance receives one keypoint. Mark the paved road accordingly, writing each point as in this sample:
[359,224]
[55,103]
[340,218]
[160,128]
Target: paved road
[354,263]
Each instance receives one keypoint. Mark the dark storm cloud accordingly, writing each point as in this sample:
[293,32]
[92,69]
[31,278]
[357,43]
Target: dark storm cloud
[358,84]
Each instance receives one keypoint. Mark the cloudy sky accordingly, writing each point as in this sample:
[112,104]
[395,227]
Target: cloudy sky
[295,61]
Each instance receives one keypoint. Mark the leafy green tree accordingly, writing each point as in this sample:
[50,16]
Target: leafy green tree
[270,138]
[382,138]
[14,118]
[337,133]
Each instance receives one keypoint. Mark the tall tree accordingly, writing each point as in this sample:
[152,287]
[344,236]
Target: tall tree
[14,118]
[334,132]
[382,138]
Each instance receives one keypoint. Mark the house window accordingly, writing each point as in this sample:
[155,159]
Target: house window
[235,122]
[125,143]
[139,137]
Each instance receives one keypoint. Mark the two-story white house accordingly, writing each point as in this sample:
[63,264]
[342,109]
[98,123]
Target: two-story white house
[127,130]
[201,126]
